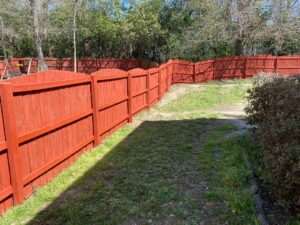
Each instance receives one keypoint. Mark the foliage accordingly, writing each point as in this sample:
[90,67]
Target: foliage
[155,29]
[146,29]
[274,106]
[227,27]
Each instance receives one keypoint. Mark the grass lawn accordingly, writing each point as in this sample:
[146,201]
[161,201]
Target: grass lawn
[199,97]
[173,165]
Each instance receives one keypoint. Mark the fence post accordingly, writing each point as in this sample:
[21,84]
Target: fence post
[275,65]
[159,84]
[245,68]
[168,74]
[129,92]
[12,142]
[94,88]
[194,72]
[148,89]
[173,70]
[213,69]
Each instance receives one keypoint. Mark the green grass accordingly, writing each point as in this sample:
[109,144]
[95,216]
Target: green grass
[209,96]
[223,167]
[50,192]
[166,171]
[142,178]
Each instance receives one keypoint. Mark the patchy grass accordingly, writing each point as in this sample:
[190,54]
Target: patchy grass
[223,168]
[143,179]
[208,96]
[171,170]
[49,193]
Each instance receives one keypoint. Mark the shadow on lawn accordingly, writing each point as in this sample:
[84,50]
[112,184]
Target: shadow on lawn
[151,177]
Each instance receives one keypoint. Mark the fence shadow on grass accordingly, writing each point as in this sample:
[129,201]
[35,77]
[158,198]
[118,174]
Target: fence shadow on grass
[150,175]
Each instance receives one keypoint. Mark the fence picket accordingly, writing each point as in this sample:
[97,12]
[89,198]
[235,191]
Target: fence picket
[92,107]
[12,142]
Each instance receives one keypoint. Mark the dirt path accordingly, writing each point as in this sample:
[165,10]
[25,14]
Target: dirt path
[233,114]
[225,113]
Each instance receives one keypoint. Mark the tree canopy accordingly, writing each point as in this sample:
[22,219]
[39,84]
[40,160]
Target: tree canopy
[154,29]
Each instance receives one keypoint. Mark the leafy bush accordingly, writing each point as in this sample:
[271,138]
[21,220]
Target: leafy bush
[274,106]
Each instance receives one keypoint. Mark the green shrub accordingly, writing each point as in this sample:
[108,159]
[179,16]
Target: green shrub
[274,107]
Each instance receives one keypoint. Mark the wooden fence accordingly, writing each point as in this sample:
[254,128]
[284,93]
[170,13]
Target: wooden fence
[50,118]
[184,72]
[234,67]
[20,65]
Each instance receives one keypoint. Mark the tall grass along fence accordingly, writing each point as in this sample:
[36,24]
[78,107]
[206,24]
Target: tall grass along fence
[50,118]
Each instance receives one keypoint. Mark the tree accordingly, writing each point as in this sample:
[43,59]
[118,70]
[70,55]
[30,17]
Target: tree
[74,34]
[34,4]
[155,29]
[2,38]
[243,27]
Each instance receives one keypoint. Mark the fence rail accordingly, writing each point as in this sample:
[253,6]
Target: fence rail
[50,118]
[21,65]
[234,67]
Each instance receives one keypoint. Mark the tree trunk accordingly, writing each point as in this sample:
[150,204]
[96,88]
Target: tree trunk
[2,39]
[239,47]
[38,42]
[239,40]
[228,12]
[74,37]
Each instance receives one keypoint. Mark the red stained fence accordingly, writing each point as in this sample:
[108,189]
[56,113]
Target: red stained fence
[234,67]
[20,65]
[50,118]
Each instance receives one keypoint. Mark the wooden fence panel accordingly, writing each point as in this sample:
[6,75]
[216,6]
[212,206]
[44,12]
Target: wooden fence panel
[229,68]
[257,64]
[111,100]
[87,66]
[53,120]
[154,85]
[287,65]
[204,71]
[6,191]
[129,64]
[2,65]
[164,78]
[183,71]
[235,67]
[170,68]
[139,90]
